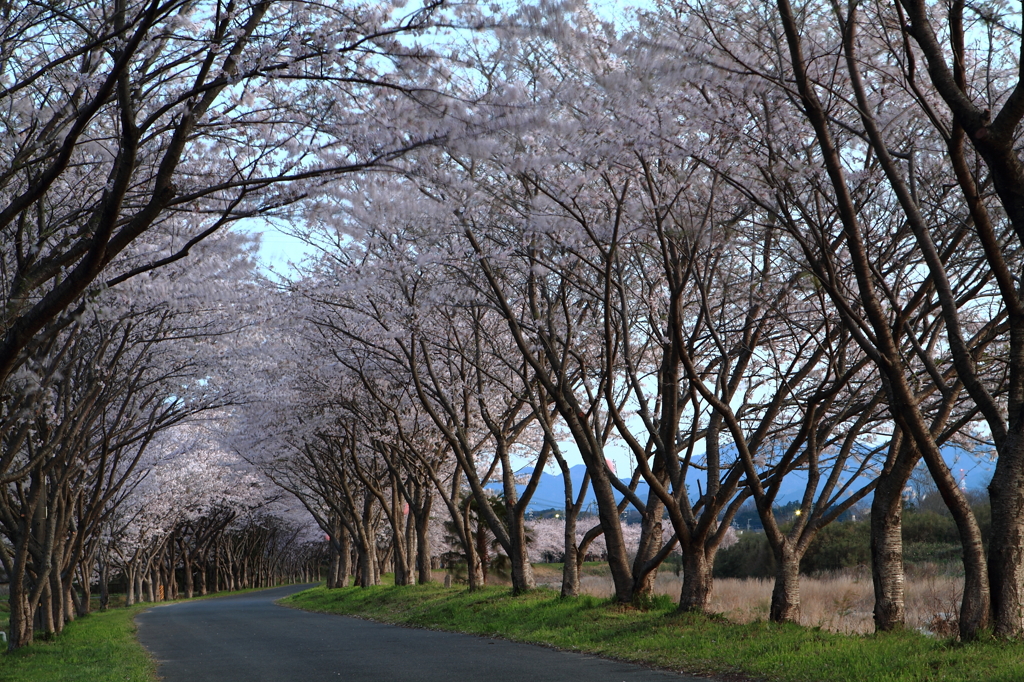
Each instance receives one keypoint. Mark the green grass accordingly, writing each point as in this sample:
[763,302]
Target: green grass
[690,643]
[100,647]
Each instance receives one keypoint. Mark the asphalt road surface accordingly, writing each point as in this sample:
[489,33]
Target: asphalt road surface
[248,638]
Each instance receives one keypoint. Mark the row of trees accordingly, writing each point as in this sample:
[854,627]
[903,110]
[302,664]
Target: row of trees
[111,463]
[133,133]
[739,241]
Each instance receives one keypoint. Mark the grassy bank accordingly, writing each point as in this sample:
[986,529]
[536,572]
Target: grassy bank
[661,637]
[100,647]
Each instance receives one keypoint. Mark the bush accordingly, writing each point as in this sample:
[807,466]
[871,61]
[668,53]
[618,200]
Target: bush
[929,527]
[839,545]
[928,537]
[750,557]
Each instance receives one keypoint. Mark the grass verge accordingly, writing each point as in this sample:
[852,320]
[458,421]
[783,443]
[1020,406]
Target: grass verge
[100,647]
[661,637]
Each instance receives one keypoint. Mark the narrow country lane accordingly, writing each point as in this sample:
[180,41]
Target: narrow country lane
[248,638]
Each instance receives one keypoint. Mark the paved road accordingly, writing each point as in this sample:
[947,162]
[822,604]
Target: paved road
[248,638]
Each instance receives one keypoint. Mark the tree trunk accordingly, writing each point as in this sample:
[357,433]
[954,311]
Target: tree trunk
[481,549]
[58,592]
[167,573]
[22,630]
[86,604]
[975,609]
[650,544]
[570,562]
[608,511]
[411,545]
[46,609]
[399,548]
[345,558]
[186,563]
[697,581]
[104,583]
[57,601]
[785,606]
[522,570]
[366,567]
[403,576]
[887,572]
[73,606]
[203,568]
[475,574]
[218,572]
[229,570]
[139,597]
[26,584]
[334,569]
[1006,546]
[129,579]
[423,549]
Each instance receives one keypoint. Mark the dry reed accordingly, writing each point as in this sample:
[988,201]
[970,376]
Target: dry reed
[840,602]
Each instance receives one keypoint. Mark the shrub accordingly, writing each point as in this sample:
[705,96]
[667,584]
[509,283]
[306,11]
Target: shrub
[929,527]
[839,545]
[750,557]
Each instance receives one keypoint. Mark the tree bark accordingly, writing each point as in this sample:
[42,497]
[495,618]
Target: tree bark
[697,582]
[522,570]
[423,549]
[186,562]
[650,544]
[57,602]
[608,512]
[22,622]
[367,559]
[1006,546]
[203,568]
[129,579]
[785,607]
[345,557]
[887,574]
[46,610]
[334,569]
[475,574]
[975,608]
[570,562]
[104,583]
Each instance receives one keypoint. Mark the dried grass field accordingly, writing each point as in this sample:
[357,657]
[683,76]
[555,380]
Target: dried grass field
[839,602]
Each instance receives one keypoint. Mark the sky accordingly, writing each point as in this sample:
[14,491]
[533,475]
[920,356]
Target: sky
[277,248]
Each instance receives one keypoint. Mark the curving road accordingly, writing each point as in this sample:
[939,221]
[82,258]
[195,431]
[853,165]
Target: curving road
[248,638]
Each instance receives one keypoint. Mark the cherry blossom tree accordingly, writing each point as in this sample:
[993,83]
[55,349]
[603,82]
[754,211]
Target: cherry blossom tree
[869,238]
[85,408]
[745,243]
[121,118]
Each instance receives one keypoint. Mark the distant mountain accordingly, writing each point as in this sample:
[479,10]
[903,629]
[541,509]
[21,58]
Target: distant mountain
[973,471]
[550,492]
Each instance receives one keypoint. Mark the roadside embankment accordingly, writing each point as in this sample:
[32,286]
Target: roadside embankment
[100,647]
[662,637]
